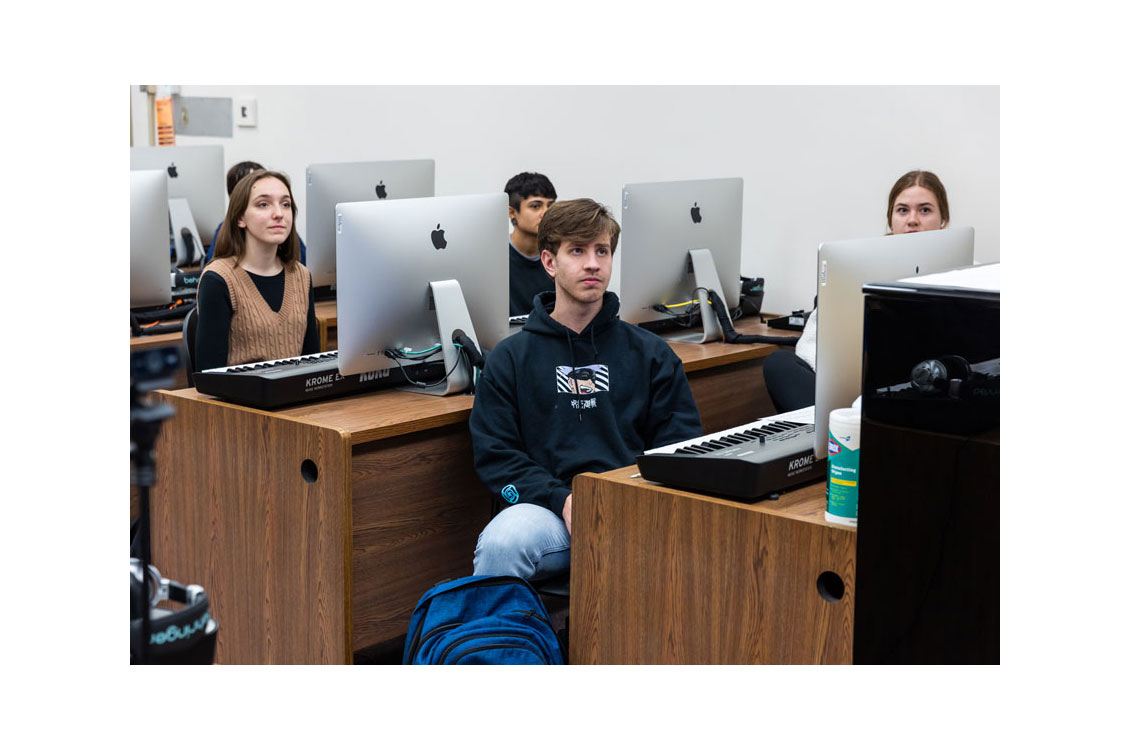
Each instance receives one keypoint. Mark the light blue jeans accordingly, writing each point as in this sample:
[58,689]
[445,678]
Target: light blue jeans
[524,540]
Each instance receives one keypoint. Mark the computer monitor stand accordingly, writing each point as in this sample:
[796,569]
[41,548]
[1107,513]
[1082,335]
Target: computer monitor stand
[180,216]
[705,278]
[451,315]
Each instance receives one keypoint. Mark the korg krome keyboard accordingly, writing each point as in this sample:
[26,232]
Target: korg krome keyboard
[746,462]
[311,377]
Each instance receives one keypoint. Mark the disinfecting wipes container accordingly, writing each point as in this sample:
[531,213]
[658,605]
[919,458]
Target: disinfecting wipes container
[843,466]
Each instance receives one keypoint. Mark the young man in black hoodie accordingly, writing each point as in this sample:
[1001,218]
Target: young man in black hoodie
[531,194]
[575,390]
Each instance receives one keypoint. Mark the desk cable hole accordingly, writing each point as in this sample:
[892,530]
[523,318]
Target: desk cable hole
[830,586]
[309,471]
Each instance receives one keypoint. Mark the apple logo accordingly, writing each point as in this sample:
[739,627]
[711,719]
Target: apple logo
[381,190]
[438,239]
[173,170]
[696,214]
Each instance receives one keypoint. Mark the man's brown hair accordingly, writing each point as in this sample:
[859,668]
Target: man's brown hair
[579,220]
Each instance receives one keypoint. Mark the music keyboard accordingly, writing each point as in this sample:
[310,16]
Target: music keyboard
[746,462]
[311,377]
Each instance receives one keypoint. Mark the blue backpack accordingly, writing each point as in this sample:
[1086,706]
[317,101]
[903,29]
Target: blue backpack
[481,620]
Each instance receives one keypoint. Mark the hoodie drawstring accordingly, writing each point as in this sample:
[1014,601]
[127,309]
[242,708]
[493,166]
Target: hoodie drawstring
[573,365]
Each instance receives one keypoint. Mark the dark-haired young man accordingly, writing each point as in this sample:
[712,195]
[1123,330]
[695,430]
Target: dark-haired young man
[237,172]
[577,389]
[531,194]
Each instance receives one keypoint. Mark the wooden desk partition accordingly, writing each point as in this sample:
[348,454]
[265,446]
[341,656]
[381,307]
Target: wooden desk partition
[727,379]
[662,576]
[315,529]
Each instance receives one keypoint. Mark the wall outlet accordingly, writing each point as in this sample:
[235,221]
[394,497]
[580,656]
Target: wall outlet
[246,112]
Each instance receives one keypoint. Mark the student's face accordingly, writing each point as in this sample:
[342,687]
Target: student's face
[529,213]
[581,270]
[269,214]
[916,210]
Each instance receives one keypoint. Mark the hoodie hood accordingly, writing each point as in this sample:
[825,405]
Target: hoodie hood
[541,323]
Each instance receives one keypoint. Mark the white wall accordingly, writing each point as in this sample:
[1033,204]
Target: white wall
[817,160]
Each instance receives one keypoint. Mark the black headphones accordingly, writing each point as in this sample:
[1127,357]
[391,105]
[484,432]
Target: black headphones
[186,635]
[933,377]
[952,377]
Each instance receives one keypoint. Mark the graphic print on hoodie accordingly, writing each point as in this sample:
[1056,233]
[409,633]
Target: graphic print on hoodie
[582,380]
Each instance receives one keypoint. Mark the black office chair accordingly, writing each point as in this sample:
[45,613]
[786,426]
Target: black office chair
[188,338]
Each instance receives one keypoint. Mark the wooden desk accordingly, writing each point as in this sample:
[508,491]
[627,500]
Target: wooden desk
[663,576]
[315,529]
[727,379]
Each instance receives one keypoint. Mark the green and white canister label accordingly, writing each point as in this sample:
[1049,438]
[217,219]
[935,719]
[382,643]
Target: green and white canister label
[843,466]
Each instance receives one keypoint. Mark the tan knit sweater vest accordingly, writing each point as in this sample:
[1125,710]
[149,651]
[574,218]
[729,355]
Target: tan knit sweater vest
[257,332]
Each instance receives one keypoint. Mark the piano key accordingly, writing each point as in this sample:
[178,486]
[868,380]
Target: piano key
[755,430]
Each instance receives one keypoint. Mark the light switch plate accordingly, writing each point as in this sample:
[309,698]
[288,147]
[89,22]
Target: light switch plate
[246,112]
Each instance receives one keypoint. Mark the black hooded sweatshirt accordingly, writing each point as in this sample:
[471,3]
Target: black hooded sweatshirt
[552,403]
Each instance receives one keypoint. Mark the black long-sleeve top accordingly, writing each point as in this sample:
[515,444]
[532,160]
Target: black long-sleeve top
[214,313]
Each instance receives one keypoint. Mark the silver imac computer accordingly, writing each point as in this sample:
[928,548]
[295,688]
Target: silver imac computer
[196,177]
[679,237]
[349,182]
[150,282]
[843,268]
[415,272]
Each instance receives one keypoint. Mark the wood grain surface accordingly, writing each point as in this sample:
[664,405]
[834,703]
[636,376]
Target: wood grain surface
[233,512]
[661,576]
[418,508]
[730,395]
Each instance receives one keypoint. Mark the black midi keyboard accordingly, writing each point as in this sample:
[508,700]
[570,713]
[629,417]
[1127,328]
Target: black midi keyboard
[312,377]
[747,462]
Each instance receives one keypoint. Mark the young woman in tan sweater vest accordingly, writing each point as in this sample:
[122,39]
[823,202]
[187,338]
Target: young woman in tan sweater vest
[255,300]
